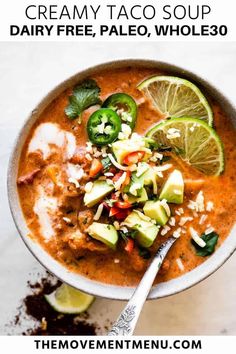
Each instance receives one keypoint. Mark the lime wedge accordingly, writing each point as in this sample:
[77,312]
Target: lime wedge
[66,299]
[176,97]
[194,141]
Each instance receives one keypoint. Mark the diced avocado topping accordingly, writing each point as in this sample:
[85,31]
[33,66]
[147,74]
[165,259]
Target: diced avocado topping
[122,148]
[146,230]
[104,233]
[148,177]
[143,197]
[173,189]
[155,211]
[147,234]
[99,190]
[136,185]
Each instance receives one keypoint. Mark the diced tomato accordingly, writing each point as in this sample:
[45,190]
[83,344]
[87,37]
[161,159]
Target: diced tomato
[117,176]
[114,197]
[119,213]
[129,245]
[123,205]
[114,211]
[95,168]
[133,157]
[113,170]
[123,213]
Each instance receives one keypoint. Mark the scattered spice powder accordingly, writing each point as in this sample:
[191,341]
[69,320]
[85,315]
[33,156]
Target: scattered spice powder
[47,320]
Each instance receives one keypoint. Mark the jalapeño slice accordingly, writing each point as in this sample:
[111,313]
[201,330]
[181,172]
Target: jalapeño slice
[124,105]
[103,126]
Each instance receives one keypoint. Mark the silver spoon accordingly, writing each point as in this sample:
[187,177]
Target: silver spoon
[126,322]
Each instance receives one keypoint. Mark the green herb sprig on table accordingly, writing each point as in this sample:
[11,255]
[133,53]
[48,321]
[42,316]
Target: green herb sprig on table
[84,96]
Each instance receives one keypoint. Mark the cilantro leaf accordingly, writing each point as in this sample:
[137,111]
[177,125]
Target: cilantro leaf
[126,235]
[123,234]
[211,241]
[84,96]
[144,253]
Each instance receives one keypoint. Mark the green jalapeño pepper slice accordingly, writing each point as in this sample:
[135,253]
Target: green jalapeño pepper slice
[103,126]
[124,105]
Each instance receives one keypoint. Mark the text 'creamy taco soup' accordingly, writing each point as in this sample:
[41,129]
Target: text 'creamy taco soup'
[119,163]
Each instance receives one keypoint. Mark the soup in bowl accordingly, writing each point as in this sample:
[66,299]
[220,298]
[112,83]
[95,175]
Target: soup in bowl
[116,160]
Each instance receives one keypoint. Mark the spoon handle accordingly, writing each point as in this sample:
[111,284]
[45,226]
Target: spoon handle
[126,322]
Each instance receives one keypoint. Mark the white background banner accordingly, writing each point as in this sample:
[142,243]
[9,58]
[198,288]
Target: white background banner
[100,345]
[127,20]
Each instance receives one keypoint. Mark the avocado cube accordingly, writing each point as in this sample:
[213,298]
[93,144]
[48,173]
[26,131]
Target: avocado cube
[133,219]
[148,177]
[173,189]
[99,190]
[145,179]
[146,230]
[122,148]
[104,233]
[143,197]
[147,235]
[156,211]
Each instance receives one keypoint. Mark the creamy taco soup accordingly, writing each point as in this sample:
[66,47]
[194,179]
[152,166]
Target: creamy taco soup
[119,163]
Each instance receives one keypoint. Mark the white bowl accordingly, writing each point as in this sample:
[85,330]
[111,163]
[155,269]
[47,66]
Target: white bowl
[78,281]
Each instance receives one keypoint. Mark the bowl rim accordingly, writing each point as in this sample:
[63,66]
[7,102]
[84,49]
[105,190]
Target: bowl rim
[76,280]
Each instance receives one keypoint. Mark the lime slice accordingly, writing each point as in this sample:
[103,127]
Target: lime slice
[176,97]
[66,299]
[194,141]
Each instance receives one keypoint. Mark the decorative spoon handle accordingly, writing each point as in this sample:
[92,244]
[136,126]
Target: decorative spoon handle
[128,318]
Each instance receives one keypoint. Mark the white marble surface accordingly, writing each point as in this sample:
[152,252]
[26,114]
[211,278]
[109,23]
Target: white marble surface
[27,72]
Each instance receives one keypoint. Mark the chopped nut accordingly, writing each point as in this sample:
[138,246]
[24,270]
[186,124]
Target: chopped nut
[177,233]
[44,324]
[180,264]
[202,219]
[172,221]
[209,206]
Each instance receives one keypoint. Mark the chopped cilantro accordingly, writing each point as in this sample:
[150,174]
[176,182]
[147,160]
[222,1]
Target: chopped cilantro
[211,241]
[109,202]
[165,159]
[144,253]
[123,234]
[133,233]
[127,235]
[84,96]
[106,162]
